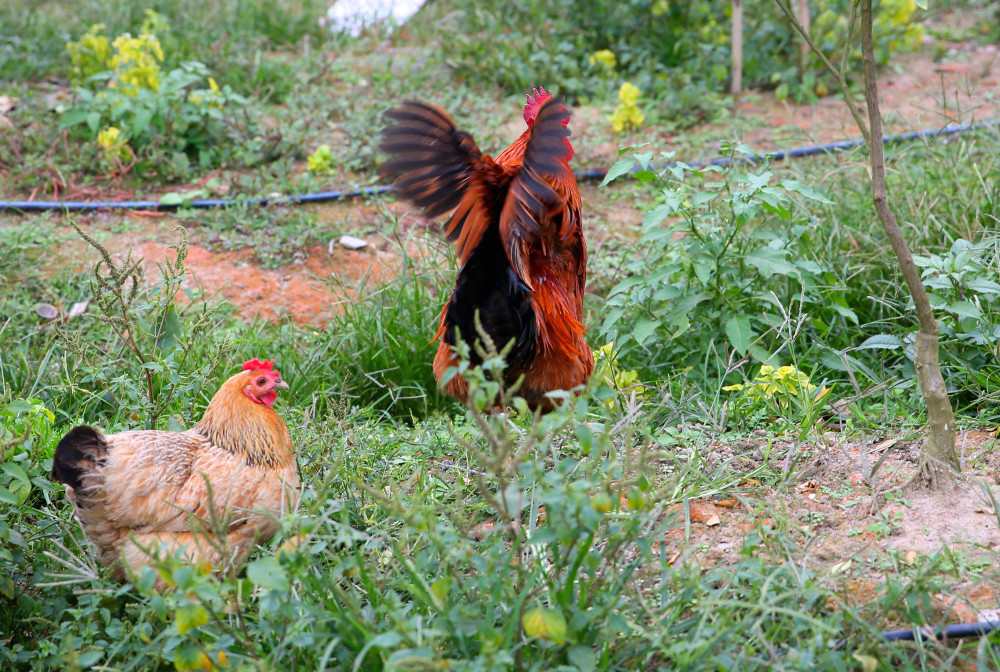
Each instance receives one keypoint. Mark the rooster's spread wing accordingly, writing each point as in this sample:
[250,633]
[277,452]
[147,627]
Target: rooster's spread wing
[440,168]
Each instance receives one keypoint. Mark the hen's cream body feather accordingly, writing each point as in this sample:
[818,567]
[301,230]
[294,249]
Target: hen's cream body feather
[141,493]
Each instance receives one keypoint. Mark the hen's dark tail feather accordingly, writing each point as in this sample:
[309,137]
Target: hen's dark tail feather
[78,454]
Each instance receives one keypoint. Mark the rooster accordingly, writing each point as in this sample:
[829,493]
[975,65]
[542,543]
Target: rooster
[517,231]
[138,493]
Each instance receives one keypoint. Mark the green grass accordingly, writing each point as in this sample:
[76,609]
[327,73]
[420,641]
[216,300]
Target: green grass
[392,570]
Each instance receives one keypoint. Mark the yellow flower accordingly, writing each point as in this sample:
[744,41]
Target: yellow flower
[212,85]
[629,93]
[108,137]
[136,63]
[91,53]
[605,57]
[114,145]
[627,115]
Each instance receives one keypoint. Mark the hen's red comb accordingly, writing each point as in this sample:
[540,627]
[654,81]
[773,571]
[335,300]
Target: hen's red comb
[255,364]
[533,103]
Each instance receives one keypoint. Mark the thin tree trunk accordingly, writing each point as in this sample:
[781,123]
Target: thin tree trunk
[937,454]
[938,460]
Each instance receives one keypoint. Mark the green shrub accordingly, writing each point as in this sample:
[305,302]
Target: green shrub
[722,271]
[657,45]
[140,114]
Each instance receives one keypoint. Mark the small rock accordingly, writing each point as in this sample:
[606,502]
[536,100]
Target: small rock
[352,243]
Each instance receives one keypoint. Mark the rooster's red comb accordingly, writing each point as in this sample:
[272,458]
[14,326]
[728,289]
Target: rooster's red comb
[256,364]
[533,103]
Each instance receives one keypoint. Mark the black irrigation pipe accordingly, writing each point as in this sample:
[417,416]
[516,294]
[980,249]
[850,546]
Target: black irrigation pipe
[956,631]
[326,196]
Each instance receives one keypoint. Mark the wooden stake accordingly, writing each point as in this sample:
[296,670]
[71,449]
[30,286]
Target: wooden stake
[736,84]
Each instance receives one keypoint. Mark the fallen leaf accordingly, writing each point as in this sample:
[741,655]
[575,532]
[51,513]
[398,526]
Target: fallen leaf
[868,663]
[701,512]
[841,567]
[47,311]
[885,444]
[78,308]
[673,558]
[910,557]
[713,521]
[8,103]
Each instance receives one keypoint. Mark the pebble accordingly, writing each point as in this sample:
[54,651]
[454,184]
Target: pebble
[352,243]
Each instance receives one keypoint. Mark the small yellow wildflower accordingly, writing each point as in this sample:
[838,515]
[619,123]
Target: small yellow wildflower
[606,367]
[627,115]
[629,93]
[605,57]
[136,63]
[780,385]
[91,54]
[113,145]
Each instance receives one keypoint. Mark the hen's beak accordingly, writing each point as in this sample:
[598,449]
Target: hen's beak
[281,385]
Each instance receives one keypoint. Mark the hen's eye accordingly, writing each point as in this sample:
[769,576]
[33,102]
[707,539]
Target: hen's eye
[261,381]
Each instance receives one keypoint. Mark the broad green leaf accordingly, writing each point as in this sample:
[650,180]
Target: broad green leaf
[8,497]
[73,118]
[171,198]
[620,167]
[15,471]
[141,121]
[770,262]
[583,658]
[844,311]
[984,286]
[655,216]
[545,623]
[739,333]
[20,406]
[965,309]
[190,657]
[20,490]
[804,190]
[881,341]
[644,329]
[189,617]
[93,121]
[267,572]
[172,330]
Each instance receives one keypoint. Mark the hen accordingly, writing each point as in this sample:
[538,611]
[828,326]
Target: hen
[137,493]
[517,231]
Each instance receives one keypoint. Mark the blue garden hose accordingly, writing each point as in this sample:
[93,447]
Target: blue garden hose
[326,196]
